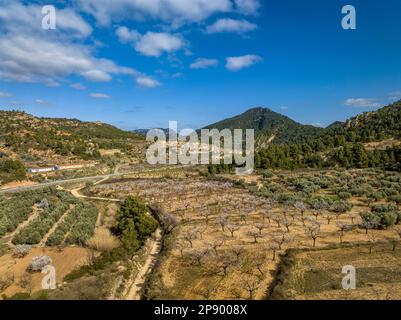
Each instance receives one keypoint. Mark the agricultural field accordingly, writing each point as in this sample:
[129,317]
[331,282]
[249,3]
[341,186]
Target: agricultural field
[224,238]
[45,222]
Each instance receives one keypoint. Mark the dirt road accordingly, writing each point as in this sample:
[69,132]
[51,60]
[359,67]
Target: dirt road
[135,286]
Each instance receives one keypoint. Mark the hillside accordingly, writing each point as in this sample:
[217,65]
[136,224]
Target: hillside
[42,141]
[371,139]
[269,127]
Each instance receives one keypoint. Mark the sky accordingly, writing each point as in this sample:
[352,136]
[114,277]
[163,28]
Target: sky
[140,63]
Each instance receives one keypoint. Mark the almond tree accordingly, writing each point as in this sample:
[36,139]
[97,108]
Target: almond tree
[232,228]
[287,223]
[372,241]
[216,244]
[223,220]
[313,231]
[225,262]
[238,251]
[283,239]
[343,228]
[251,284]
[190,236]
[201,230]
[328,216]
[301,206]
[198,255]
[260,227]
[254,234]
[274,247]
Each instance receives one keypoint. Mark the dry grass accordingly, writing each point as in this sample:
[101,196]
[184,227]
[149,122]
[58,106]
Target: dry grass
[103,240]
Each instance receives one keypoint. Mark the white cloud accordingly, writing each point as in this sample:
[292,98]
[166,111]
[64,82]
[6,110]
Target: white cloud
[5,94]
[147,82]
[151,44]
[231,25]
[362,103]
[78,86]
[40,101]
[248,7]
[238,63]
[30,54]
[175,11]
[96,76]
[203,63]
[284,108]
[100,96]
[395,96]
[126,36]
[154,44]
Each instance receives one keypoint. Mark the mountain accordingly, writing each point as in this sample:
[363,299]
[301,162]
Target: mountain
[33,139]
[269,126]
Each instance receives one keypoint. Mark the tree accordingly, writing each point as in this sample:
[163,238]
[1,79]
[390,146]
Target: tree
[232,228]
[313,231]
[189,236]
[215,245]
[198,254]
[238,251]
[225,262]
[260,227]
[254,234]
[301,206]
[251,284]
[223,220]
[343,228]
[274,247]
[372,241]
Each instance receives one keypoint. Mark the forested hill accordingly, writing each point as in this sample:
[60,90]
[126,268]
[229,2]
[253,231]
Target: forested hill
[269,126]
[370,139]
[21,133]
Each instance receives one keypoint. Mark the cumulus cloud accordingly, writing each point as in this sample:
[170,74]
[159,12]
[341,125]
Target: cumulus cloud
[96,76]
[78,86]
[5,94]
[100,96]
[362,103]
[231,25]
[154,44]
[151,44]
[248,7]
[203,63]
[175,11]
[30,54]
[238,63]
[147,82]
[126,36]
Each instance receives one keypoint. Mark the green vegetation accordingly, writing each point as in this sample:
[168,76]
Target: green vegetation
[21,133]
[342,146]
[134,224]
[79,224]
[11,170]
[34,232]
[16,209]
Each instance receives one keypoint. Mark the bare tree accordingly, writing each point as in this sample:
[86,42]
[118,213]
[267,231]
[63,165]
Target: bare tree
[232,228]
[238,251]
[201,230]
[266,214]
[190,236]
[273,247]
[251,284]
[225,262]
[215,245]
[169,222]
[352,217]
[223,220]
[254,234]
[283,239]
[243,215]
[259,262]
[368,225]
[372,241]
[301,206]
[287,223]
[328,216]
[277,219]
[313,231]
[343,228]
[206,215]
[198,254]
[260,227]
[181,246]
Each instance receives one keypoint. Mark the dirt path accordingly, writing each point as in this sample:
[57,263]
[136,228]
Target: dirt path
[77,194]
[136,284]
[42,243]
[34,215]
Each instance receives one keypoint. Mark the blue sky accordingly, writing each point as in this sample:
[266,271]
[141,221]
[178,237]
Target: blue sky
[139,64]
